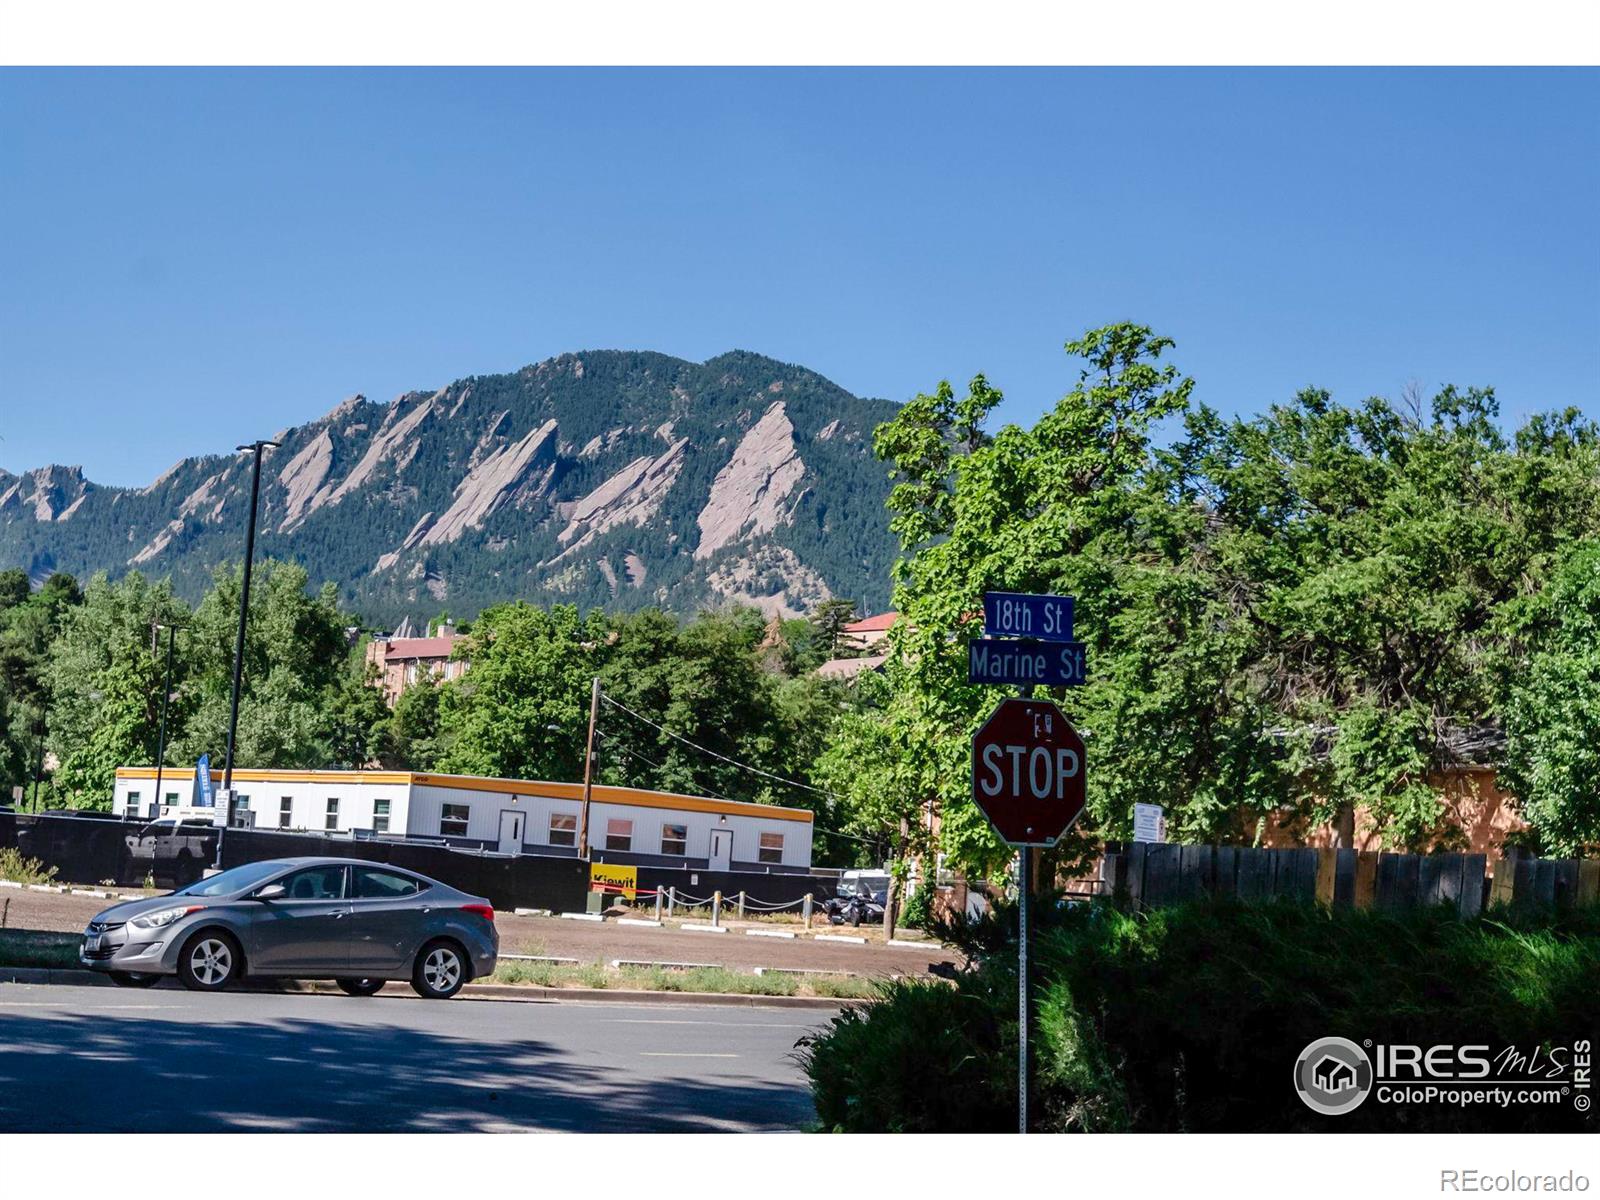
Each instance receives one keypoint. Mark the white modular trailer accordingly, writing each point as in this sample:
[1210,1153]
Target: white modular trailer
[317,801]
[509,816]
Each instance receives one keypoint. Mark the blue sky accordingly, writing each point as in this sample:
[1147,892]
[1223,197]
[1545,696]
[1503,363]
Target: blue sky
[195,258]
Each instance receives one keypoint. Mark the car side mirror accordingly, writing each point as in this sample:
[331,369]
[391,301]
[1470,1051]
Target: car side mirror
[273,891]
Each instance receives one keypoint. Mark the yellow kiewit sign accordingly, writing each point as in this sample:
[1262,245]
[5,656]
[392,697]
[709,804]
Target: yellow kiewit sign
[626,878]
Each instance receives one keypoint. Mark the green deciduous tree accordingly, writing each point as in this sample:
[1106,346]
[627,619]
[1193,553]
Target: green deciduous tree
[1553,708]
[1299,613]
[521,709]
[105,685]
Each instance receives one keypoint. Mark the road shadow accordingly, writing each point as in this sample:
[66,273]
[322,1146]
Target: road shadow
[102,1073]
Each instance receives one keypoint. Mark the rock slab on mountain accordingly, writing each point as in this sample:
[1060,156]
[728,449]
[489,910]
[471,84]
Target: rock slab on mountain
[605,478]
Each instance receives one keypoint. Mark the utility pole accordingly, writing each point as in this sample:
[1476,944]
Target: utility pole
[166,696]
[588,770]
[238,646]
[38,770]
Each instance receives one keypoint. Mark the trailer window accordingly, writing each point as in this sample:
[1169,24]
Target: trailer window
[380,816]
[619,834]
[131,805]
[563,829]
[770,849]
[285,811]
[453,820]
[332,819]
[675,839]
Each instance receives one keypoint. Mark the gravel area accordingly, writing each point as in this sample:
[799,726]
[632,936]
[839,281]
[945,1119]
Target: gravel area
[587,941]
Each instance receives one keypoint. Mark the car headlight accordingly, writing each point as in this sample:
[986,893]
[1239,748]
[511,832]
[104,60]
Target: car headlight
[163,917]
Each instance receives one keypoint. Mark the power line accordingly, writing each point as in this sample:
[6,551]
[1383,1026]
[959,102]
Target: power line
[722,757]
[616,744]
[638,758]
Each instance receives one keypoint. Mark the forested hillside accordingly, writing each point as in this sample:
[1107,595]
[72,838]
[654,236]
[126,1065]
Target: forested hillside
[607,478]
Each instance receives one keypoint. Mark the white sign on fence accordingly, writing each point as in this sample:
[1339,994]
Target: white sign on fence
[1149,823]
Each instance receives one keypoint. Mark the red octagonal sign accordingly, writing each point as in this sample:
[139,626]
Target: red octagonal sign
[1027,772]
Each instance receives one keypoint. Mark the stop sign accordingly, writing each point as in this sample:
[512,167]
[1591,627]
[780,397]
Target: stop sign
[1027,772]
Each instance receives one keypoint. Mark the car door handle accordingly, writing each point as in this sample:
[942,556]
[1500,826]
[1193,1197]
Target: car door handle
[338,916]
[427,909]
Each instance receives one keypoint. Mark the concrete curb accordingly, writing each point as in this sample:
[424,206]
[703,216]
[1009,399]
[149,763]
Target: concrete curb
[472,991]
[508,991]
[61,975]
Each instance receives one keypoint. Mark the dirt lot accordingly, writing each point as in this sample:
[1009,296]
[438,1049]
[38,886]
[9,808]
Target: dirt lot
[586,941]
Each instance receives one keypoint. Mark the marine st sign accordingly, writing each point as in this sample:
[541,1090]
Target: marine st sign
[1025,661]
[1027,615]
[1027,772]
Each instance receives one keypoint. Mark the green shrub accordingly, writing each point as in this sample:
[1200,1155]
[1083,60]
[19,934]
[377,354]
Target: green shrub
[923,1058]
[919,911]
[1191,1018]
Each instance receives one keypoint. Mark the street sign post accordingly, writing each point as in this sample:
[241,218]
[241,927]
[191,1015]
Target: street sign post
[1022,614]
[1026,662]
[1027,759]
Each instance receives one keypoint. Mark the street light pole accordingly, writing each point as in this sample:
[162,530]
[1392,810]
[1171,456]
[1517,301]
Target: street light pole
[166,696]
[238,646]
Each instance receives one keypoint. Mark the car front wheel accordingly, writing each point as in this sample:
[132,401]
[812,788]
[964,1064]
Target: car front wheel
[360,987]
[440,971]
[210,961]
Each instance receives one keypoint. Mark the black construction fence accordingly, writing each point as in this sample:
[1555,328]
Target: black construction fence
[101,849]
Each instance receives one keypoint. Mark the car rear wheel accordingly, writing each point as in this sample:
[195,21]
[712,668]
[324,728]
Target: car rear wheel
[360,987]
[440,971]
[130,979]
[210,961]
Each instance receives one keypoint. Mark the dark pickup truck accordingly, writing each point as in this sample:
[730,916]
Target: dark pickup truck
[175,853]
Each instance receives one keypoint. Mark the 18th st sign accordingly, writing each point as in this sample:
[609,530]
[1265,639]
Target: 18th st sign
[1027,772]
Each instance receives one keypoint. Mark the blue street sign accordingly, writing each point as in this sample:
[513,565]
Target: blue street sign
[202,779]
[1019,661]
[1019,614]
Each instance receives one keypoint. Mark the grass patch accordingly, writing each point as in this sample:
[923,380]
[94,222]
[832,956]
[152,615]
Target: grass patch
[693,979]
[15,867]
[32,948]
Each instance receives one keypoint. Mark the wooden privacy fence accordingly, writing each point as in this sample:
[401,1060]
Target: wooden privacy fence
[1153,874]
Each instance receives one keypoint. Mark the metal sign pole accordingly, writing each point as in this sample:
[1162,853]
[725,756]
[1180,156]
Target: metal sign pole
[1024,991]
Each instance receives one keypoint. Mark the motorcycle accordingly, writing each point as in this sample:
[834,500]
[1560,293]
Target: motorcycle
[861,908]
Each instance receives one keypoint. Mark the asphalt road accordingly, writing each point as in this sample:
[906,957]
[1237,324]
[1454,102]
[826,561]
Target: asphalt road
[115,1060]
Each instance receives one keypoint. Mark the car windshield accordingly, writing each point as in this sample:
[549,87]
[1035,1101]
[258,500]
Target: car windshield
[235,879]
[863,883]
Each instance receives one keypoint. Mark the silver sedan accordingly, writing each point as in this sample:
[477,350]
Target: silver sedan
[358,923]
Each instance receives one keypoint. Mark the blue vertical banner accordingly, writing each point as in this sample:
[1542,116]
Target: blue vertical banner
[206,798]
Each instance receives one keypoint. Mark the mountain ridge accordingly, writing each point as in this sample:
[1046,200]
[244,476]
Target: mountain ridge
[618,478]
